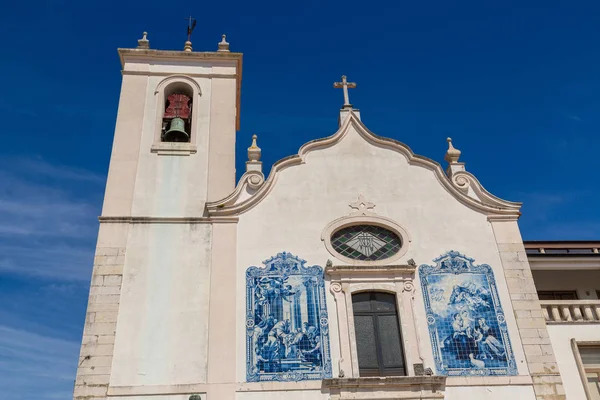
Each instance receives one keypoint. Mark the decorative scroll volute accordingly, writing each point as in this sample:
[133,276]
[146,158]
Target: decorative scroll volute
[408,286]
[336,288]
[461,181]
[255,179]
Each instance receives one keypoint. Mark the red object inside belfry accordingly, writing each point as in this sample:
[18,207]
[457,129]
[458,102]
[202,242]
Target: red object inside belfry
[179,106]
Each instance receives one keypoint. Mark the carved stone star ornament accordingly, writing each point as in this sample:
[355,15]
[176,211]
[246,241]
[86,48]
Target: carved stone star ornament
[362,207]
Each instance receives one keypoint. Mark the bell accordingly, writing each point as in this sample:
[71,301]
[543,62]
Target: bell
[176,132]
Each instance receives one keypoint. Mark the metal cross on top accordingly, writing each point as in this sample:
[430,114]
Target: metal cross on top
[345,85]
[191,26]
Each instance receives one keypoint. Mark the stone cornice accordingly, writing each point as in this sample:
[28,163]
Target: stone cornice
[566,263]
[503,218]
[179,55]
[192,75]
[386,382]
[458,186]
[166,220]
[514,380]
[361,270]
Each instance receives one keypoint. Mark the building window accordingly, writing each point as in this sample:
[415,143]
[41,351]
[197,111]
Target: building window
[366,242]
[177,119]
[176,129]
[557,295]
[590,359]
[378,339]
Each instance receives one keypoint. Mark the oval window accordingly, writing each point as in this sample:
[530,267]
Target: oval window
[366,242]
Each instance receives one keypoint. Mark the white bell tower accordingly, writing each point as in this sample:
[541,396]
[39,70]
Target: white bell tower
[173,150]
[155,178]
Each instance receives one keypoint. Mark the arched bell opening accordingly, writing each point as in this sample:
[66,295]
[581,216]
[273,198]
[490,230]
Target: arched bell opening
[177,117]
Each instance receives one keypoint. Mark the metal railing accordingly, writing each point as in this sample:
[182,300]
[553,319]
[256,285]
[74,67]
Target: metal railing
[573,311]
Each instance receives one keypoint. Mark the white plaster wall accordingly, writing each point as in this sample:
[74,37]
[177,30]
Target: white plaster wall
[194,66]
[288,395]
[306,198]
[490,393]
[561,335]
[172,186]
[585,283]
[162,327]
[156,397]
[126,147]
[221,160]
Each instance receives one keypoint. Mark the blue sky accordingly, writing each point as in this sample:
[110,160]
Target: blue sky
[516,84]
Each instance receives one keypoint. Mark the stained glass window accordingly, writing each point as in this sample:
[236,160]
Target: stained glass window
[366,242]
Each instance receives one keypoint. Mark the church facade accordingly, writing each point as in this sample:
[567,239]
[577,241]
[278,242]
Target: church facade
[355,270]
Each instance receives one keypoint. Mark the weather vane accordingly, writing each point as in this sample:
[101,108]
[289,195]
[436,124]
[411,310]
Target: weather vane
[190,28]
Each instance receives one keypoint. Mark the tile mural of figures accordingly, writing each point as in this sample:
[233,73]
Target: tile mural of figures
[287,329]
[466,323]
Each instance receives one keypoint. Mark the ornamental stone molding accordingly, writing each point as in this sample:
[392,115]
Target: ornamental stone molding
[386,387]
[190,85]
[255,180]
[362,206]
[178,78]
[480,199]
[344,281]
[251,182]
[388,273]
[362,214]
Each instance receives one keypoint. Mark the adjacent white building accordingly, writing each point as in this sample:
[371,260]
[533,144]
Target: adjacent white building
[354,270]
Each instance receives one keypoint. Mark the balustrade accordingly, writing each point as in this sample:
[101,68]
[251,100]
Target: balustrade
[571,311]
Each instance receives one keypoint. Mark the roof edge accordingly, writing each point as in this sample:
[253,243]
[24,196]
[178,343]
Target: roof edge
[458,186]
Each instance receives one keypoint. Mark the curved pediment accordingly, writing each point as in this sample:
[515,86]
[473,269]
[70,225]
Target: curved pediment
[463,186]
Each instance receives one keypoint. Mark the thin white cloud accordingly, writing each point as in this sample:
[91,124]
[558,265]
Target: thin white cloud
[569,230]
[47,170]
[44,216]
[543,202]
[48,226]
[60,262]
[48,219]
[575,118]
[30,204]
[36,366]
[544,212]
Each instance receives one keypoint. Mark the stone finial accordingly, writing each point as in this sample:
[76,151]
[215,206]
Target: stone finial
[254,163]
[223,45]
[254,150]
[187,47]
[143,43]
[452,155]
